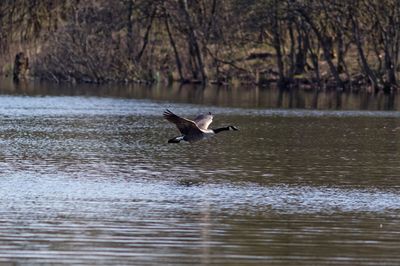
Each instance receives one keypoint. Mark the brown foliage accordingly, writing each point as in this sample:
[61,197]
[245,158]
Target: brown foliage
[326,43]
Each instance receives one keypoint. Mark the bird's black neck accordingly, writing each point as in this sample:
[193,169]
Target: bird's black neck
[217,130]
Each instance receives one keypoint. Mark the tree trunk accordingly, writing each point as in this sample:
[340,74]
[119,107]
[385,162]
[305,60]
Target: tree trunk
[340,52]
[370,74]
[129,30]
[173,45]
[146,36]
[193,41]
[278,48]
[389,67]
[326,49]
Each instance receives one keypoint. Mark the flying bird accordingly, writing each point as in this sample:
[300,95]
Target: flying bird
[193,130]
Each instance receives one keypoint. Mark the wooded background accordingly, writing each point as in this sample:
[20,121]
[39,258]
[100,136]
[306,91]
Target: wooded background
[345,45]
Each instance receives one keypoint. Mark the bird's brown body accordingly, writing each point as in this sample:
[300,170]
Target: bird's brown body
[193,130]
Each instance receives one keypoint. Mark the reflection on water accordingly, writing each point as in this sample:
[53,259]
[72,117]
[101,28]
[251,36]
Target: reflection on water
[253,97]
[88,180]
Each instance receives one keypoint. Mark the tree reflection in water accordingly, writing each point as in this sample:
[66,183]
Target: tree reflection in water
[229,96]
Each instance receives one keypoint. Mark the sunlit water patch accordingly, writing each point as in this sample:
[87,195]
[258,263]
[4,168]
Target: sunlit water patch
[89,221]
[46,191]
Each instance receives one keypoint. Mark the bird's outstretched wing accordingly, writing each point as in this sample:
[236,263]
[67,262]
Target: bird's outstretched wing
[184,125]
[203,121]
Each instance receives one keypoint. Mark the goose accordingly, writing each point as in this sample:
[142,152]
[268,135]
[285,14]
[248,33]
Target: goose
[193,130]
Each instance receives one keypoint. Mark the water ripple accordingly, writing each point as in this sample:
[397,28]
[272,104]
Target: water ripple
[88,180]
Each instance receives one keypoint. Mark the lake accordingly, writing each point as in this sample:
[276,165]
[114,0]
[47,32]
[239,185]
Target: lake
[87,177]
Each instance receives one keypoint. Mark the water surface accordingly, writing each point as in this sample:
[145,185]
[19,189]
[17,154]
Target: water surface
[91,180]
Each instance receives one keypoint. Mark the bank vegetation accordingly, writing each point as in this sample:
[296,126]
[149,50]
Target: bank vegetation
[345,45]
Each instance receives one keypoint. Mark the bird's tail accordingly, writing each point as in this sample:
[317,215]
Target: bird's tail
[176,139]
